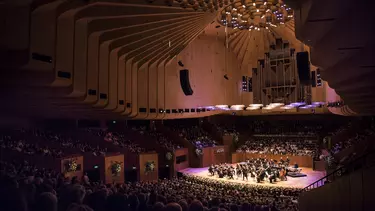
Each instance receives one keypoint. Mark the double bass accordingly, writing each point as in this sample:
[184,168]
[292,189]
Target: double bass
[282,174]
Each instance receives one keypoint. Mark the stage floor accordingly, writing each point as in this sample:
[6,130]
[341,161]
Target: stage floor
[300,182]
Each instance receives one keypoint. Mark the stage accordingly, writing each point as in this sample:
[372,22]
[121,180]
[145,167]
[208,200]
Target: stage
[294,182]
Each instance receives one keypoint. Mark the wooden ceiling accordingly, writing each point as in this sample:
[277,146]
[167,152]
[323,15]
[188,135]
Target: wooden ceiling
[77,59]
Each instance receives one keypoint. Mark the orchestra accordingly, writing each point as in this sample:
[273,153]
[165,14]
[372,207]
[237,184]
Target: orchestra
[258,169]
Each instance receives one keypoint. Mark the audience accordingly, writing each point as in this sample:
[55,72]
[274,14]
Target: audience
[196,135]
[356,138]
[163,141]
[278,146]
[46,143]
[120,139]
[286,127]
[27,188]
[159,137]
[225,130]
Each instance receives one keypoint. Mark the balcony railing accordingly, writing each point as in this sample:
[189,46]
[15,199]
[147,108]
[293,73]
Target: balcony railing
[364,161]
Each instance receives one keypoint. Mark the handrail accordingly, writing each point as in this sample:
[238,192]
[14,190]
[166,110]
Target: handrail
[352,166]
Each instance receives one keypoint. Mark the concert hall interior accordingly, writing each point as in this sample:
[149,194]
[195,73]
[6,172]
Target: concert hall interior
[187,105]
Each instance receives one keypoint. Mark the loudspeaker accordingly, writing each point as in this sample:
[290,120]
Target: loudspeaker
[185,83]
[180,63]
[303,67]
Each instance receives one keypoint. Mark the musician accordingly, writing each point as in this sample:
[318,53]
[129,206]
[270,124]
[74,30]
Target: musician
[221,173]
[287,161]
[238,171]
[272,177]
[252,171]
[296,166]
[261,175]
[258,168]
[230,173]
[244,173]
[286,174]
[211,170]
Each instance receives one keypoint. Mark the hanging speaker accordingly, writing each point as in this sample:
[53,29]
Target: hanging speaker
[180,63]
[185,82]
[303,67]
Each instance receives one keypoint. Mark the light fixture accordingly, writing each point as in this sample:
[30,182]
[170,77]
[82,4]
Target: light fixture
[261,13]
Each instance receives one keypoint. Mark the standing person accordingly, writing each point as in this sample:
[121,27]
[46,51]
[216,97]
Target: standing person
[86,180]
[245,173]
[238,171]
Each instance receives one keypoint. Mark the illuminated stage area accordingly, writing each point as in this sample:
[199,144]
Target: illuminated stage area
[292,182]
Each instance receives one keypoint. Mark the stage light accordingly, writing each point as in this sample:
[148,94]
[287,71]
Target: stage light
[237,107]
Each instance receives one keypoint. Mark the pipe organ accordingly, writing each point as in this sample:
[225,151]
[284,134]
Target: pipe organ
[275,80]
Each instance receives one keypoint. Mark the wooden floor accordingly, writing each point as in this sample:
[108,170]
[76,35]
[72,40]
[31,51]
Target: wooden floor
[300,182]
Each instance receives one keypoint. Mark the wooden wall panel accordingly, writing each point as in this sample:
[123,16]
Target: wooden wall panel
[129,52]
[183,165]
[349,193]
[116,77]
[205,60]
[214,155]
[153,90]
[142,90]
[79,161]
[44,19]
[161,88]
[109,161]
[143,159]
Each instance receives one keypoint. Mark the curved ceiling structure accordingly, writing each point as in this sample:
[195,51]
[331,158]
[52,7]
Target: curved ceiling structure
[343,32]
[122,59]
